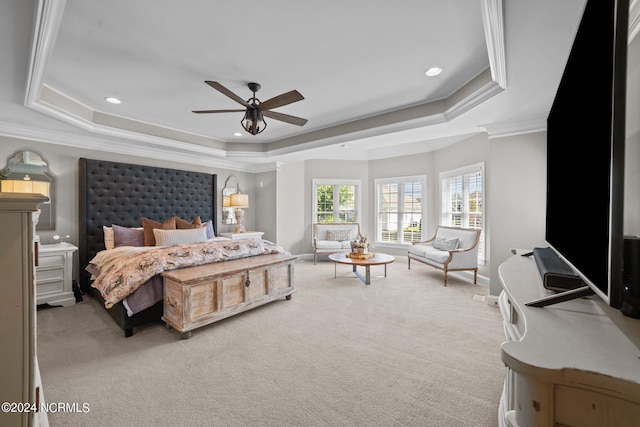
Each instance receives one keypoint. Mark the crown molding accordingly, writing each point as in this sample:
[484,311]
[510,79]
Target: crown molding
[46,23]
[519,127]
[493,20]
[65,139]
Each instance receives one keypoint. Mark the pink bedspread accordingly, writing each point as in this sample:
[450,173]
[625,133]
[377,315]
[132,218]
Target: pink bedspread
[122,270]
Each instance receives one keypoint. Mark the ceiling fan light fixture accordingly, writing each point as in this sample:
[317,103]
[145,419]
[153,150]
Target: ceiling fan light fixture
[255,110]
[253,121]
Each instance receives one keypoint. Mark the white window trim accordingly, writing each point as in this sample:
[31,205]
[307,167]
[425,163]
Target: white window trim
[476,167]
[320,181]
[401,179]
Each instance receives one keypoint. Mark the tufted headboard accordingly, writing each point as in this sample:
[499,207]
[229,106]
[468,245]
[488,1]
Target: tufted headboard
[122,193]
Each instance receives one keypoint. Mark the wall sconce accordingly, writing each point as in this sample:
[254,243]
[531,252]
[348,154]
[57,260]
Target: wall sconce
[239,201]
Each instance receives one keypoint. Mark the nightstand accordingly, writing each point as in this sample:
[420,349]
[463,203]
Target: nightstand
[245,235]
[54,285]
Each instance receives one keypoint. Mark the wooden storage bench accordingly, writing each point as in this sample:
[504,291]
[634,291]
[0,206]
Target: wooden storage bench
[200,295]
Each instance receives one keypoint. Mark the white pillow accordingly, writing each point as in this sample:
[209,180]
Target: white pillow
[108,237]
[445,244]
[176,237]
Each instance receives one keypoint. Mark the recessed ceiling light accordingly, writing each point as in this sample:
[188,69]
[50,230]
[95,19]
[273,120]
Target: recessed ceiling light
[112,100]
[237,134]
[433,71]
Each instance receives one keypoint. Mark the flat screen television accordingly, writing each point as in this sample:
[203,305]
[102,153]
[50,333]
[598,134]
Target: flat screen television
[585,153]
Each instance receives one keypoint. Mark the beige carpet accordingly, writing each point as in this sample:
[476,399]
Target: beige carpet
[403,351]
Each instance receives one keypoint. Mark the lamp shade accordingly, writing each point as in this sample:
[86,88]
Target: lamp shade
[24,186]
[239,200]
[226,201]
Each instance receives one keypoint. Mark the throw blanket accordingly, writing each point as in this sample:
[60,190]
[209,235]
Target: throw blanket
[119,272]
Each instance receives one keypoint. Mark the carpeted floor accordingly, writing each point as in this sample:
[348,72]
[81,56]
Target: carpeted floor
[403,351]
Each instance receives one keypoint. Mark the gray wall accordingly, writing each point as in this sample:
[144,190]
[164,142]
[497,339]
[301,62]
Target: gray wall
[632,164]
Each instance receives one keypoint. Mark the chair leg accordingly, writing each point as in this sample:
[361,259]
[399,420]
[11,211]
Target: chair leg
[314,258]
[445,277]
[408,263]
[475,277]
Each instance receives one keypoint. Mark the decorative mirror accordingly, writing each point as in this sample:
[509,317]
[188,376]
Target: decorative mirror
[230,187]
[27,172]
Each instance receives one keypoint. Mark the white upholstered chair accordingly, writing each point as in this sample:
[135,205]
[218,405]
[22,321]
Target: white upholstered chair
[450,249]
[329,238]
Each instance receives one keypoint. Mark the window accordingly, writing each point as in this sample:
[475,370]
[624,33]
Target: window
[400,210]
[336,200]
[462,199]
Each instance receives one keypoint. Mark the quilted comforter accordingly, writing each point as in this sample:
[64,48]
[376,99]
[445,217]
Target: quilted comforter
[119,272]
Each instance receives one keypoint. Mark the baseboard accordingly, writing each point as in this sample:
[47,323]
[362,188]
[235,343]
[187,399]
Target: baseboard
[468,275]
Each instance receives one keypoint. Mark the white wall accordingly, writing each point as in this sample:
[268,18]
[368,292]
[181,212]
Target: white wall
[516,197]
[290,206]
[265,209]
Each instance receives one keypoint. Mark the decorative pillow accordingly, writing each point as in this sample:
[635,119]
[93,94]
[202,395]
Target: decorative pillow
[182,224]
[149,225]
[338,235]
[108,237]
[176,237]
[209,227]
[445,244]
[124,236]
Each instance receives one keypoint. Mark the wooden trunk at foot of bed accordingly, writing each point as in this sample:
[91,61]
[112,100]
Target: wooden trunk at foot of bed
[200,295]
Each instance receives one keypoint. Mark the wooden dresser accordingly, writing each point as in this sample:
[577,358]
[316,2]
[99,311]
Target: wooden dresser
[19,373]
[200,295]
[575,363]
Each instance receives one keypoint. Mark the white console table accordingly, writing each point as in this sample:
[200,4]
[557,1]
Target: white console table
[575,363]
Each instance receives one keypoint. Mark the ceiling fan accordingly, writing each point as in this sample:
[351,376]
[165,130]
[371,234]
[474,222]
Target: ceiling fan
[253,121]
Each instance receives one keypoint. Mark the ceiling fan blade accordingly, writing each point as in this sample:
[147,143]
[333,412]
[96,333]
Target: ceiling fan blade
[217,86]
[217,111]
[280,100]
[285,118]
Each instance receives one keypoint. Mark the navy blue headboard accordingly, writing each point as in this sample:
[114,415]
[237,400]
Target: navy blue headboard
[122,193]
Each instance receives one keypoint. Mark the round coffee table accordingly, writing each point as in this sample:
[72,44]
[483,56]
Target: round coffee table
[378,259]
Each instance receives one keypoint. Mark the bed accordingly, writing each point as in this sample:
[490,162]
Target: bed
[121,194]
